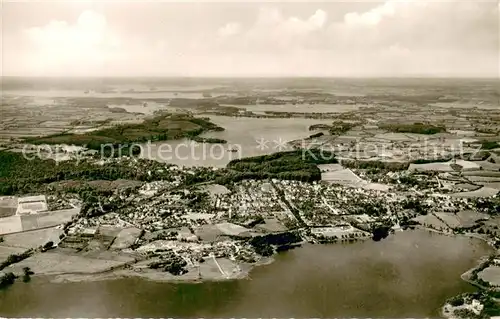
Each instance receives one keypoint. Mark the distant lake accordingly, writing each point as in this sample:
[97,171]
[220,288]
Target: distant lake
[410,274]
[459,105]
[242,134]
[304,108]
[118,94]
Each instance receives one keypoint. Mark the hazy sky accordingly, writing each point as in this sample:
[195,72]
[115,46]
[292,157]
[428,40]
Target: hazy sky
[334,38]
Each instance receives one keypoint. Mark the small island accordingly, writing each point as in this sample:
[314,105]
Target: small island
[209,140]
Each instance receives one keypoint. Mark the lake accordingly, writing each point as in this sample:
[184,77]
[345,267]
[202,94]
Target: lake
[410,274]
[304,108]
[242,134]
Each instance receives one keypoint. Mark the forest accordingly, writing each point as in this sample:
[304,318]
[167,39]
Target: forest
[293,165]
[415,128]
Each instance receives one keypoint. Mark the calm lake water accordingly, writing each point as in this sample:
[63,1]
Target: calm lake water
[242,134]
[304,108]
[408,274]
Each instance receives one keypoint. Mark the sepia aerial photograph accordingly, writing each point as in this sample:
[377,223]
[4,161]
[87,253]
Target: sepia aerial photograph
[250,159]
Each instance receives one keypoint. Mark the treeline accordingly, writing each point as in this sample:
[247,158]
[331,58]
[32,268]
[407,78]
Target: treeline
[15,258]
[428,161]
[388,166]
[489,145]
[317,135]
[416,128]
[319,127]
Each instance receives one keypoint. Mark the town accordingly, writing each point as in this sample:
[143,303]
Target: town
[83,204]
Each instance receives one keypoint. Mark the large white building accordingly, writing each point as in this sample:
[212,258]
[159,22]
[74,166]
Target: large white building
[31,205]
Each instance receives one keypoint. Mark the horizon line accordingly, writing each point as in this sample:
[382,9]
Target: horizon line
[253,77]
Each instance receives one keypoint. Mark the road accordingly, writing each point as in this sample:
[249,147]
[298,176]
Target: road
[218,266]
[295,214]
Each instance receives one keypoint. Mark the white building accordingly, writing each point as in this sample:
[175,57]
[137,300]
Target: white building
[31,205]
[476,307]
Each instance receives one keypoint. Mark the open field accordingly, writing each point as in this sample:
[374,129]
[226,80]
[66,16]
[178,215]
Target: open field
[54,263]
[209,233]
[343,177]
[32,239]
[230,229]
[483,179]
[449,219]
[493,174]
[271,225]
[469,218]
[126,238]
[492,185]
[8,206]
[437,167]
[207,271]
[491,275]
[17,223]
[482,192]
[430,221]
[6,251]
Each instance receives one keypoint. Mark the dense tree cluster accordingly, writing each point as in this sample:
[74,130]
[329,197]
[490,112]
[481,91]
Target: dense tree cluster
[375,209]
[380,232]
[294,165]
[20,175]
[336,128]
[48,245]
[456,301]
[415,128]
[487,205]
[387,166]
[7,280]
[27,274]
[489,145]
[435,160]
[171,263]
[317,135]
[263,245]
[415,205]
[340,127]
[319,127]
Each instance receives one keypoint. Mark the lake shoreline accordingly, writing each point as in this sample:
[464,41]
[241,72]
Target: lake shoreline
[299,270]
[244,270]
[466,276]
